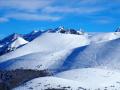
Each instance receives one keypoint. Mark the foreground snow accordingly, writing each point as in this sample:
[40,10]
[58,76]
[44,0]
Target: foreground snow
[77,79]
[50,83]
[91,77]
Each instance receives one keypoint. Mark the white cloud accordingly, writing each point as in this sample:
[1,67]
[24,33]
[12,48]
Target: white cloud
[3,19]
[88,2]
[26,10]
[78,10]
[47,9]
[28,5]
[33,17]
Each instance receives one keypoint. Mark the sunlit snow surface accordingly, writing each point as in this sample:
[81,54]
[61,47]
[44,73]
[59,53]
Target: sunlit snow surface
[77,79]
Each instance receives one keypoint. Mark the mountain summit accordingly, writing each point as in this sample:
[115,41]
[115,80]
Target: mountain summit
[61,29]
[12,42]
[118,29]
[10,38]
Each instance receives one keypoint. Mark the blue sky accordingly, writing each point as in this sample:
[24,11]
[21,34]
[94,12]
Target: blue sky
[23,16]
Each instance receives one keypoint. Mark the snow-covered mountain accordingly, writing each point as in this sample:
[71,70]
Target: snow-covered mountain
[5,43]
[10,38]
[15,41]
[77,60]
[52,45]
[12,43]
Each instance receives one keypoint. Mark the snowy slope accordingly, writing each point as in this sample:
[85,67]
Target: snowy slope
[102,37]
[92,78]
[49,43]
[50,83]
[105,54]
[76,79]
[39,61]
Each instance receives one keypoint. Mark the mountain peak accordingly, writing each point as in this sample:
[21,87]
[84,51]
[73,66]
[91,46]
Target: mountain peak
[15,36]
[61,29]
[35,31]
[10,38]
[118,29]
[17,43]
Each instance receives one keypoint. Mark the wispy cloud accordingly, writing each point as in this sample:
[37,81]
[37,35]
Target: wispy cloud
[32,17]
[3,19]
[43,10]
[102,21]
[27,5]
[77,10]
[26,10]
